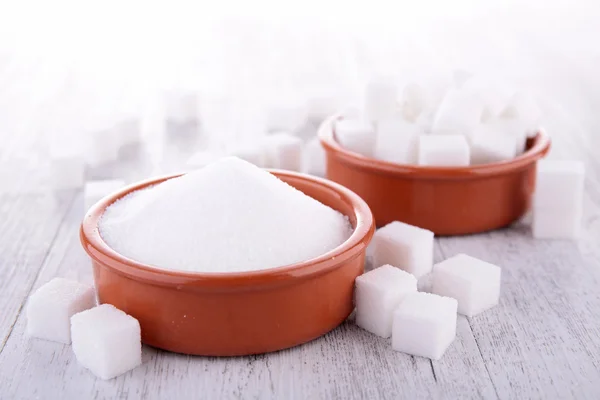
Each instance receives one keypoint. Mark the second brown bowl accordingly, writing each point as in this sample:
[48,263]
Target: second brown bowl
[226,314]
[445,200]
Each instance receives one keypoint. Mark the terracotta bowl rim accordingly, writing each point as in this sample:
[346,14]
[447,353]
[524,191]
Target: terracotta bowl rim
[100,252]
[540,147]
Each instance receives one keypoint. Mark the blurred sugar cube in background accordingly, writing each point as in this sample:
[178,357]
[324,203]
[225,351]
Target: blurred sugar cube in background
[356,135]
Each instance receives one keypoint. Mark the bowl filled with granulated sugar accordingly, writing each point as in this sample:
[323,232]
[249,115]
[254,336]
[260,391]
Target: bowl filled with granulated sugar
[230,259]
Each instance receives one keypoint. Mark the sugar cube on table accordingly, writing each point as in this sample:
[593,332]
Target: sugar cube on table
[67,169]
[287,115]
[104,146]
[283,151]
[106,341]
[458,114]
[559,224]
[356,135]
[378,293]
[397,141]
[50,308]
[94,191]
[201,159]
[443,150]
[559,185]
[314,158]
[181,106]
[404,246]
[381,98]
[424,325]
[254,154]
[475,284]
[489,145]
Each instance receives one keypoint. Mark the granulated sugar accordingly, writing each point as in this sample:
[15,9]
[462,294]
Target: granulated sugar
[229,216]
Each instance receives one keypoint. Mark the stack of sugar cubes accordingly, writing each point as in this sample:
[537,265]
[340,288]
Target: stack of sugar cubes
[558,199]
[105,340]
[420,324]
[472,121]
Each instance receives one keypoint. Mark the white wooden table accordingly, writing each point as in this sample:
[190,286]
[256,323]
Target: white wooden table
[541,342]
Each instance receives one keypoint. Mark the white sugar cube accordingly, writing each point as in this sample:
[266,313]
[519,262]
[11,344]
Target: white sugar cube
[493,94]
[404,246]
[314,158]
[106,341]
[283,151]
[128,131]
[104,145]
[201,159]
[289,114]
[252,153]
[443,150]
[321,106]
[424,325]
[66,170]
[524,107]
[475,284]
[488,145]
[378,293]
[559,185]
[414,102]
[553,224]
[397,141]
[94,191]
[458,114]
[181,106]
[381,95]
[356,135]
[50,308]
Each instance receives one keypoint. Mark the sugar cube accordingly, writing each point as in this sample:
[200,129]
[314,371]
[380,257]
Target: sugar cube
[283,151]
[67,169]
[321,106]
[104,146]
[378,293]
[493,94]
[475,284]
[201,159]
[488,145]
[524,107]
[460,76]
[443,150]
[397,141]
[181,106]
[106,341]
[128,131]
[404,246]
[381,96]
[50,308]
[559,185]
[458,114]
[356,135]
[414,102]
[287,115]
[424,325]
[252,153]
[314,158]
[553,224]
[94,191]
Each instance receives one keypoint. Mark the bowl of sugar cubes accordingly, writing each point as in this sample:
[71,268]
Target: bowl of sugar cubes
[230,259]
[457,159]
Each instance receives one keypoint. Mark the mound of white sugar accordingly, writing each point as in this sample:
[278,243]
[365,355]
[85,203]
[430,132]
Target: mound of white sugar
[229,216]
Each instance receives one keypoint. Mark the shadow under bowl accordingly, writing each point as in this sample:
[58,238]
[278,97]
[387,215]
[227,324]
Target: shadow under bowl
[445,200]
[229,314]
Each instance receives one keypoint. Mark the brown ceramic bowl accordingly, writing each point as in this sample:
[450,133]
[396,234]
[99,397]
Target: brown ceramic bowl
[445,200]
[226,314]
